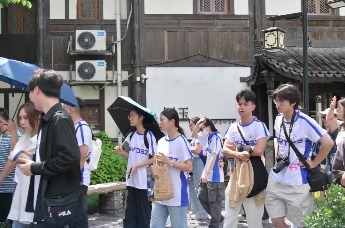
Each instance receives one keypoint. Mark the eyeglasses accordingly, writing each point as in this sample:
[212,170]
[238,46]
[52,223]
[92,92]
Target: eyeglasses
[132,116]
[277,101]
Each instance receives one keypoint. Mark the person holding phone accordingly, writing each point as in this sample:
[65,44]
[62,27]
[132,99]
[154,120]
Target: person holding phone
[142,146]
[28,120]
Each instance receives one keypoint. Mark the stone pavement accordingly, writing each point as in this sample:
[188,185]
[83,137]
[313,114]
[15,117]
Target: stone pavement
[105,221]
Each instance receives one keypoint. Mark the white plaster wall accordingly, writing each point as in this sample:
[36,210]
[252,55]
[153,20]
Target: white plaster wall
[110,97]
[109,9]
[241,7]
[168,6]
[57,9]
[86,92]
[342,11]
[72,9]
[209,91]
[281,7]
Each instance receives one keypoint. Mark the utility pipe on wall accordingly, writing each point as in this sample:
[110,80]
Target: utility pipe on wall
[118,54]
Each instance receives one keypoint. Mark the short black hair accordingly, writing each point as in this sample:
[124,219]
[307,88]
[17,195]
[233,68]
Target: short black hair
[4,114]
[80,102]
[288,92]
[49,81]
[247,94]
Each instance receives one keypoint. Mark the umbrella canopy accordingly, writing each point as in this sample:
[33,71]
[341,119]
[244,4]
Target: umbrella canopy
[120,110]
[17,74]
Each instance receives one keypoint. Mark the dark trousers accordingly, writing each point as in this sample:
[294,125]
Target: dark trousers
[6,202]
[210,196]
[138,209]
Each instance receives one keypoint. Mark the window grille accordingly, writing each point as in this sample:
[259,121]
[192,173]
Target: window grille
[87,9]
[21,19]
[213,6]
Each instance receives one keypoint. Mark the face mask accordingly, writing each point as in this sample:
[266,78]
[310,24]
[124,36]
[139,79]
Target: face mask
[204,133]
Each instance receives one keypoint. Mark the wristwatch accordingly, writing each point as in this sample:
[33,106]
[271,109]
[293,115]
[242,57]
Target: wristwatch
[171,163]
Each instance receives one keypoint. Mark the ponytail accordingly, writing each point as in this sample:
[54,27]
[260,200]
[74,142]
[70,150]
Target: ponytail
[180,130]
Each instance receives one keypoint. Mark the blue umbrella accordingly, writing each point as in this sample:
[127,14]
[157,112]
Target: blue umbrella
[17,74]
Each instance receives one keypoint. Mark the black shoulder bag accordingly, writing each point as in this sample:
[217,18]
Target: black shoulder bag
[318,179]
[259,170]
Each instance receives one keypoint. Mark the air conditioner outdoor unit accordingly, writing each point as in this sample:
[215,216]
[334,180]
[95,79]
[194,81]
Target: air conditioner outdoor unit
[90,40]
[91,70]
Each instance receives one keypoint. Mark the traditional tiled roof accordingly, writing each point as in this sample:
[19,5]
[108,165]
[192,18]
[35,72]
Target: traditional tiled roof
[323,64]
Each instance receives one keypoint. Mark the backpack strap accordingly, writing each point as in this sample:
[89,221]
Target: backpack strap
[146,142]
[93,136]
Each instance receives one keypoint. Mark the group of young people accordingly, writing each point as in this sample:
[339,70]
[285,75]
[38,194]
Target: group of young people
[54,152]
[199,165]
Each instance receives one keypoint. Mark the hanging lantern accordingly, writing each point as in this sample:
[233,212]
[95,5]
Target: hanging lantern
[274,39]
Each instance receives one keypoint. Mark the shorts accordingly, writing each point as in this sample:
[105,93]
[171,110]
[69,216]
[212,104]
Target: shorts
[292,202]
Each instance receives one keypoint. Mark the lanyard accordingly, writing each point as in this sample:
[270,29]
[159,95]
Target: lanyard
[290,130]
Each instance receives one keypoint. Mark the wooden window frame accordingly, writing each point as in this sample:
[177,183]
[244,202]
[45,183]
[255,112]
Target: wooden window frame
[317,7]
[226,7]
[21,20]
[86,108]
[79,15]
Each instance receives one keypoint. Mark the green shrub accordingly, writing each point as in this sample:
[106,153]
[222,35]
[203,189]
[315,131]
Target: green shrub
[93,204]
[111,167]
[330,211]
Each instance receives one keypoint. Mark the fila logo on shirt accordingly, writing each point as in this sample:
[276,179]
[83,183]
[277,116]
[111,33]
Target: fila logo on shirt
[64,213]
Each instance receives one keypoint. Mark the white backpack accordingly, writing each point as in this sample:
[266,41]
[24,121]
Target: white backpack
[96,151]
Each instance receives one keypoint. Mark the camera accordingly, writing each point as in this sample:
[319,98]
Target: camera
[241,148]
[281,164]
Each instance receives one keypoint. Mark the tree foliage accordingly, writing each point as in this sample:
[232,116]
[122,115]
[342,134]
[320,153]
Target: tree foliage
[4,3]
[330,212]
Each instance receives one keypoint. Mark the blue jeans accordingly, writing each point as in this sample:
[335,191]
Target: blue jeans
[160,213]
[17,224]
[193,182]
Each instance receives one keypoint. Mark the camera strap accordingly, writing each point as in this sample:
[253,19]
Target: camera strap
[299,155]
[239,131]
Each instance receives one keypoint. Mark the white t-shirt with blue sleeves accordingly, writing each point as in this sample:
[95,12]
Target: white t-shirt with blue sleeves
[139,153]
[177,149]
[203,143]
[305,132]
[251,132]
[84,137]
[214,147]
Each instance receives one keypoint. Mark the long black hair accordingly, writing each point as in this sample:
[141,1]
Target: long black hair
[209,123]
[172,114]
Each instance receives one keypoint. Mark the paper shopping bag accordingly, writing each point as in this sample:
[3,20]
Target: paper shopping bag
[159,185]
